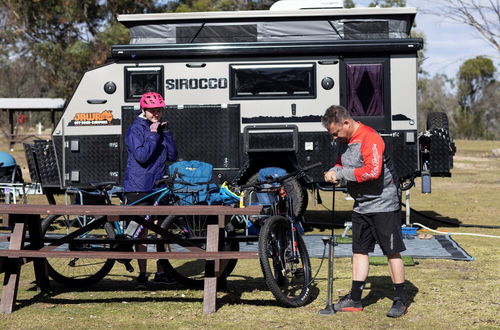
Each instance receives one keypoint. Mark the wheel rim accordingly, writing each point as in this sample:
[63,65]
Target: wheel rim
[76,271]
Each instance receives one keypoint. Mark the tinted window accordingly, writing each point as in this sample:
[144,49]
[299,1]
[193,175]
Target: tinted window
[365,89]
[140,80]
[273,81]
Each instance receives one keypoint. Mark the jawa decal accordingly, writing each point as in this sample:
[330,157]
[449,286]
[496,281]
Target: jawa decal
[94,119]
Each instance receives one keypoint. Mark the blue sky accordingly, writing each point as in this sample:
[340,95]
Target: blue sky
[448,44]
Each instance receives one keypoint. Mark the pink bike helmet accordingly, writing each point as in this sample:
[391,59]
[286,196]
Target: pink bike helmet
[152,100]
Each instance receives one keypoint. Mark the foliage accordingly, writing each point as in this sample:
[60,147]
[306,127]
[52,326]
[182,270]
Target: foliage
[435,96]
[387,3]
[349,4]
[475,77]
[218,5]
[76,33]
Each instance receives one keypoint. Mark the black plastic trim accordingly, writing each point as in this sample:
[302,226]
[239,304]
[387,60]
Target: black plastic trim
[149,51]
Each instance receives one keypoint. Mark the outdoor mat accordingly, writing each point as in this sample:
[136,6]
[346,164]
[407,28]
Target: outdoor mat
[437,247]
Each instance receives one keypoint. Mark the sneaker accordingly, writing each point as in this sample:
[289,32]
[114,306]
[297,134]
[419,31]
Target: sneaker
[346,304]
[142,281]
[398,308]
[163,278]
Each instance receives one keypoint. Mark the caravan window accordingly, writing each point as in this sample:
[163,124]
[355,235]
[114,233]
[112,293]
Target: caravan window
[365,83]
[365,89]
[139,80]
[276,81]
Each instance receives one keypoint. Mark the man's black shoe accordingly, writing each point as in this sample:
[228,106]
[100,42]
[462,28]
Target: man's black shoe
[142,281]
[398,308]
[346,304]
[163,278]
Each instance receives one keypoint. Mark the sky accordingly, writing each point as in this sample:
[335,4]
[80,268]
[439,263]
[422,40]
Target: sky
[447,44]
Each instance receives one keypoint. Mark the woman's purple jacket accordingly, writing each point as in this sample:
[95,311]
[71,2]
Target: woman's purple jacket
[148,153]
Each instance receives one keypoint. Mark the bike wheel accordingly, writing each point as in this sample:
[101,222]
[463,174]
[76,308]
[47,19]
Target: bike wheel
[193,229]
[294,190]
[288,276]
[77,272]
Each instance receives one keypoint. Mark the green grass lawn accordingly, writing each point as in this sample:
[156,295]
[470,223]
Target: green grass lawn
[444,293]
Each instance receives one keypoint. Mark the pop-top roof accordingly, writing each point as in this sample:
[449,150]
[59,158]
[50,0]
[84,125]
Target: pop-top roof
[270,26]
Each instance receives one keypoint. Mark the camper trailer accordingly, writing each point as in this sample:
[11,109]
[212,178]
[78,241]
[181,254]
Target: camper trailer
[247,90]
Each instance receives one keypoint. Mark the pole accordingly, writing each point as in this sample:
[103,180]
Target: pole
[328,310]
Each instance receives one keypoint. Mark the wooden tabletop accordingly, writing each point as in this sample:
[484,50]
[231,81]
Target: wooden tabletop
[127,209]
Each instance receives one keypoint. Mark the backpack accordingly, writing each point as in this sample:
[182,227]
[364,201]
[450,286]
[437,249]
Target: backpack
[266,198]
[197,173]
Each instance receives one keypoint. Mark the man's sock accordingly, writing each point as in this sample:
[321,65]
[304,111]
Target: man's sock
[357,290]
[399,290]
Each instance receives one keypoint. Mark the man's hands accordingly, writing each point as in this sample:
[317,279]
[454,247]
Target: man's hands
[331,176]
[158,126]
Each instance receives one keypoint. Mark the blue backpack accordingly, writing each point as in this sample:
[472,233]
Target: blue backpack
[197,173]
[266,198]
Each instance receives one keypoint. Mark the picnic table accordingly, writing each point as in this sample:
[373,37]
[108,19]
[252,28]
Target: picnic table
[25,218]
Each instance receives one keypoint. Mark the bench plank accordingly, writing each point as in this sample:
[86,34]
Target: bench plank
[215,255]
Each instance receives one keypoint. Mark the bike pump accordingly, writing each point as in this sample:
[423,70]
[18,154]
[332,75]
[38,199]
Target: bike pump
[328,310]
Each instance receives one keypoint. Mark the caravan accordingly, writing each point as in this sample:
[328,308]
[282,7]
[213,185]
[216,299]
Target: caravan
[246,90]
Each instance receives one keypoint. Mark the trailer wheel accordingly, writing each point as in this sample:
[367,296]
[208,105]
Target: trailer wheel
[437,120]
[294,190]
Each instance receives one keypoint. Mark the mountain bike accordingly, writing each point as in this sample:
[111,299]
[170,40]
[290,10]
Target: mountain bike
[283,254]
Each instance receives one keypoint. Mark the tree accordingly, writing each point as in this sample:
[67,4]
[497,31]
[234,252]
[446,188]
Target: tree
[349,4]
[64,37]
[482,15]
[388,3]
[435,96]
[218,5]
[475,81]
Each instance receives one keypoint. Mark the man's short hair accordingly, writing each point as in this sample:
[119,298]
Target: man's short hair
[335,114]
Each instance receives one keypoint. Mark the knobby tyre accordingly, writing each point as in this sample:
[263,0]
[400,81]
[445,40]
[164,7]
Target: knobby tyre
[192,229]
[77,272]
[293,190]
[288,277]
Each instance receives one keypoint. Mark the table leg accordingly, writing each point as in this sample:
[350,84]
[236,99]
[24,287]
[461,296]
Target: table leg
[210,284]
[12,270]
[39,264]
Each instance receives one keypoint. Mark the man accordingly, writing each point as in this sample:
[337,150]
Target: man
[150,144]
[375,217]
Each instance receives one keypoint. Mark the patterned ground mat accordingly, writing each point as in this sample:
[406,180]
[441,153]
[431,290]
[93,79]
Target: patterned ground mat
[437,247]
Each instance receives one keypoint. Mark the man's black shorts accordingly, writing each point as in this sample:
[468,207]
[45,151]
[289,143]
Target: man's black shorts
[381,227]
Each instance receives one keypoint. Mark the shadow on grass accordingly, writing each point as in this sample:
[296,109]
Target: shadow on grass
[322,219]
[237,286]
[381,287]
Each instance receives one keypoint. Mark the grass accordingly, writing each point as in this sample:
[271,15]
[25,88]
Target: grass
[443,293]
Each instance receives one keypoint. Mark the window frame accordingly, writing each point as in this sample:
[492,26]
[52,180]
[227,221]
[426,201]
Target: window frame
[158,69]
[234,67]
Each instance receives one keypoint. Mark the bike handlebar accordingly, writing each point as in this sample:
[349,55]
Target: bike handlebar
[281,179]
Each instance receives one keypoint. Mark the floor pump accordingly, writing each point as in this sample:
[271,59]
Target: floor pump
[328,310]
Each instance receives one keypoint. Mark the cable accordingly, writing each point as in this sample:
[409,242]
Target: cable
[451,222]
[449,233]
[319,268]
